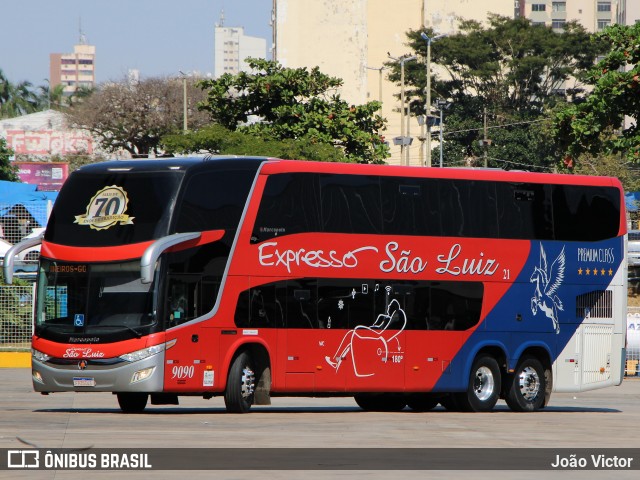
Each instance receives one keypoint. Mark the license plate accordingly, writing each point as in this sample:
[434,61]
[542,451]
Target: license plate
[84,382]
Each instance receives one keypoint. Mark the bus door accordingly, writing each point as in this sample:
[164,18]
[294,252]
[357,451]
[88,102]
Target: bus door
[300,356]
[186,368]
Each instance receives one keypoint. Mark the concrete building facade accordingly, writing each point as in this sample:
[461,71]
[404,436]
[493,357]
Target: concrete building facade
[73,70]
[353,40]
[232,47]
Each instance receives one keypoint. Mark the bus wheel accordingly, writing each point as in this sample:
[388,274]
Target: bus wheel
[484,386]
[133,402]
[238,397]
[528,386]
[380,402]
[422,402]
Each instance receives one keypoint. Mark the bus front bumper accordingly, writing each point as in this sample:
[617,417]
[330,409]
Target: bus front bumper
[89,376]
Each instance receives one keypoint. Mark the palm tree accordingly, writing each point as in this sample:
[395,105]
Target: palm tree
[51,98]
[16,99]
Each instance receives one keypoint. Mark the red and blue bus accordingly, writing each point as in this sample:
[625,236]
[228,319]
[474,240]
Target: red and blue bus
[252,278]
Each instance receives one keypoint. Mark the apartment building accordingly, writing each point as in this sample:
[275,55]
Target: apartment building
[353,40]
[73,70]
[232,47]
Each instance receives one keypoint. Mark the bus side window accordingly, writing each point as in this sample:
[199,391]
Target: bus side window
[302,309]
[181,301]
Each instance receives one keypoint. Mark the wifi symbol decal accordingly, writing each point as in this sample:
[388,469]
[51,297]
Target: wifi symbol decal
[388,289]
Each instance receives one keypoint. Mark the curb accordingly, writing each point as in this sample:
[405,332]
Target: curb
[15,360]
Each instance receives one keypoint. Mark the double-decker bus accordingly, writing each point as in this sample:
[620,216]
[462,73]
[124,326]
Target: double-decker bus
[252,277]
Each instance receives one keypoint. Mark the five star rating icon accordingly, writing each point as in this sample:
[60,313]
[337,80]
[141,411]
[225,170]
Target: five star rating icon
[596,272]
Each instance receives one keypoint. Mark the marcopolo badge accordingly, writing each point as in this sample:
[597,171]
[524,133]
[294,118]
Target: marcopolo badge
[107,208]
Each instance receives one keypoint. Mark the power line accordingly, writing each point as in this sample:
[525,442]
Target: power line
[449,132]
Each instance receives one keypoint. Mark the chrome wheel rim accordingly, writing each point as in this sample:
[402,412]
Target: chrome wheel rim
[529,383]
[247,382]
[484,384]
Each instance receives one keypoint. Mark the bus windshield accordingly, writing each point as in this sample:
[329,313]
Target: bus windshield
[105,300]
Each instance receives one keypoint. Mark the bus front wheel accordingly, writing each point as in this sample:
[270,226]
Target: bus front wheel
[484,386]
[132,402]
[241,384]
[528,386]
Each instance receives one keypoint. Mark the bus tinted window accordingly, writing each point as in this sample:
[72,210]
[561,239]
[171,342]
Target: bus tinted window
[524,211]
[348,303]
[410,206]
[214,201]
[350,204]
[289,205]
[574,209]
[298,203]
[468,208]
[150,197]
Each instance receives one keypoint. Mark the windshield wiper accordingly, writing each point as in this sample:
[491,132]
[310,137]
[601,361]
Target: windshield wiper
[127,327]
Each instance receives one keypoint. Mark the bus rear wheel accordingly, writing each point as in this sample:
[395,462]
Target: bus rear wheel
[380,402]
[132,402]
[484,386]
[528,386]
[241,384]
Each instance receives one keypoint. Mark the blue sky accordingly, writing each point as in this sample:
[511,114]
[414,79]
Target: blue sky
[157,37]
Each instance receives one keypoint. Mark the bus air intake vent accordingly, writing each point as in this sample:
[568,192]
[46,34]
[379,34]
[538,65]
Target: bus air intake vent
[596,304]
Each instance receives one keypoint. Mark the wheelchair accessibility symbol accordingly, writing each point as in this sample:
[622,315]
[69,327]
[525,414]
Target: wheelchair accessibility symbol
[78,320]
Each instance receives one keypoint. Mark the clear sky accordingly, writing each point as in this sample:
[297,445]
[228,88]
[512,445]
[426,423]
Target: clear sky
[157,37]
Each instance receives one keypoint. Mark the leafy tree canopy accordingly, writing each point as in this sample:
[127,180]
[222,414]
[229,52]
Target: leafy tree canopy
[7,169]
[220,140]
[133,116]
[512,68]
[594,126]
[297,105]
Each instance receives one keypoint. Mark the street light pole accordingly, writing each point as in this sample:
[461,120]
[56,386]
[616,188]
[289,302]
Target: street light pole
[402,61]
[184,100]
[429,39]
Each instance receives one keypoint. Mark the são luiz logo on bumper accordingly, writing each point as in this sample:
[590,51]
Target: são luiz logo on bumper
[107,208]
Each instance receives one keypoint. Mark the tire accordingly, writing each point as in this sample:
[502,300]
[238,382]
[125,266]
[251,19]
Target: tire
[528,386]
[380,402]
[132,402]
[484,386]
[241,384]
[422,402]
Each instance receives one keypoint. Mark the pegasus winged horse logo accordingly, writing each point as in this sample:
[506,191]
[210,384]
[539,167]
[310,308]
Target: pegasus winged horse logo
[548,280]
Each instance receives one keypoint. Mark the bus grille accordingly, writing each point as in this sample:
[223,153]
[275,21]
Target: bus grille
[596,304]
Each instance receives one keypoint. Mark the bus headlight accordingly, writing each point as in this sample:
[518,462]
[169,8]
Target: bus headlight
[142,374]
[147,352]
[38,355]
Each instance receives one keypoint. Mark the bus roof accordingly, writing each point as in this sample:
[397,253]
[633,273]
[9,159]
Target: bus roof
[274,165]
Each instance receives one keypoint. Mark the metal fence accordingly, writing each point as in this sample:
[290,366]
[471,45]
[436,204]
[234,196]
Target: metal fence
[18,221]
[633,342]
[16,316]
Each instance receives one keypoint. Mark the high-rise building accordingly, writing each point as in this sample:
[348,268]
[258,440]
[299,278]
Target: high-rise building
[232,47]
[74,70]
[594,15]
[353,40]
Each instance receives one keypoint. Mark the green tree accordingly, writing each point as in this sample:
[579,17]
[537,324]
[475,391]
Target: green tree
[296,104]
[7,170]
[595,126]
[220,140]
[514,69]
[134,116]
[16,99]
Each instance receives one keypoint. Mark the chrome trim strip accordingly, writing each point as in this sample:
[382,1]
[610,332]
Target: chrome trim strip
[153,252]
[17,248]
